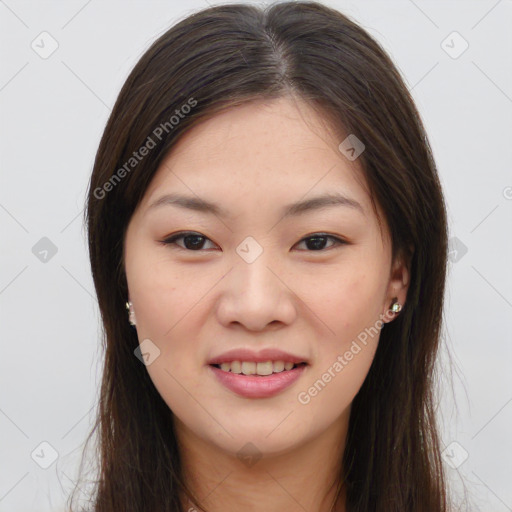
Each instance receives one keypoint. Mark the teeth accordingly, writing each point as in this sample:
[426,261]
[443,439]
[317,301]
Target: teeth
[265,368]
[278,366]
[248,368]
[225,366]
[252,368]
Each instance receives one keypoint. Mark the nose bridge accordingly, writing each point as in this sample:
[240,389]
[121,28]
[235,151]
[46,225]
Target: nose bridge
[254,279]
[253,294]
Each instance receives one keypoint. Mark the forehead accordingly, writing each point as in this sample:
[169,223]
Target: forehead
[263,151]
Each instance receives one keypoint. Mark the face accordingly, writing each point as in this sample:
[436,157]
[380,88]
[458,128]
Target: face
[310,284]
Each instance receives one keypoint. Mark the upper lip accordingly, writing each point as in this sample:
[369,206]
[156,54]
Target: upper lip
[266,354]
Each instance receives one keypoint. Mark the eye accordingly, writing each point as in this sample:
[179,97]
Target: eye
[192,241]
[317,241]
[195,241]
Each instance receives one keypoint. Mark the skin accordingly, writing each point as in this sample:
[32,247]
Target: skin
[313,302]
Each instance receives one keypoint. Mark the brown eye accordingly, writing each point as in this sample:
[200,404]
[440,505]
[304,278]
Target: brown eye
[191,241]
[196,241]
[317,241]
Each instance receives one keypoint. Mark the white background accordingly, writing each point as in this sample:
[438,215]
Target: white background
[53,112]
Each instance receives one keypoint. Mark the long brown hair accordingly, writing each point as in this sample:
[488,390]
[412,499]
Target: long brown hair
[210,61]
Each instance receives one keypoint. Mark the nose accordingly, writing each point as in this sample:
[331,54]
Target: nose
[257,296]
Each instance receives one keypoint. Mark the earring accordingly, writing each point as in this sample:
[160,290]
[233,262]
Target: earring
[131,313]
[395,307]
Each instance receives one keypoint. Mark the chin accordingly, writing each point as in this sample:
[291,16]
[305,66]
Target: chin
[270,435]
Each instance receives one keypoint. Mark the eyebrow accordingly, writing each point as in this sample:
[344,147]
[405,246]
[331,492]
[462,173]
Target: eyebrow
[315,203]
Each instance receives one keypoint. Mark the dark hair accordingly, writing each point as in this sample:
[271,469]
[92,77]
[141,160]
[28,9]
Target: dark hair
[210,61]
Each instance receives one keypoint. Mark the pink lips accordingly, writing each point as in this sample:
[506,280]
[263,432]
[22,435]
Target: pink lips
[254,386]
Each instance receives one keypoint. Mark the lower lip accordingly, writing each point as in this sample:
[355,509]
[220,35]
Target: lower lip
[253,386]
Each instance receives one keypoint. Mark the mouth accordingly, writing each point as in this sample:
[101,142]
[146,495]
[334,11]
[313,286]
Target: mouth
[260,369]
[257,380]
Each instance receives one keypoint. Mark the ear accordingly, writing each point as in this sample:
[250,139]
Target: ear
[398,284]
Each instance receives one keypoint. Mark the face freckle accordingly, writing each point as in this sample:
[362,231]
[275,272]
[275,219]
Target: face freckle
[251,162]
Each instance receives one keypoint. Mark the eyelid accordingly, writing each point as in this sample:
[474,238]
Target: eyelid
[170,240]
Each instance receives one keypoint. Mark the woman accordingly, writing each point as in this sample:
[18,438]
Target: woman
[265,203]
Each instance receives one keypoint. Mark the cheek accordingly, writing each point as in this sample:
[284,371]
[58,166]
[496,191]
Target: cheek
[349,304]
[168,308]
[162,293]
[333,384]
[347,301]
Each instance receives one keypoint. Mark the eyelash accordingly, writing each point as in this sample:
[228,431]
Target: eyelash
[171,240]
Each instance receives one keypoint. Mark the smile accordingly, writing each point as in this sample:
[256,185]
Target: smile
[250,380]
[252,368]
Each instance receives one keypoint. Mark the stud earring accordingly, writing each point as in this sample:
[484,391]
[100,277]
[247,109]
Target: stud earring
[395,307]
[131,313]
